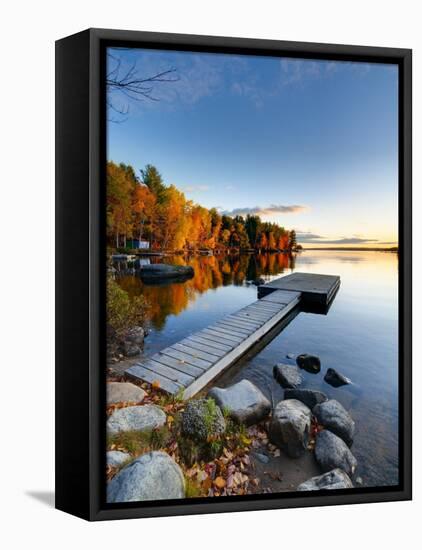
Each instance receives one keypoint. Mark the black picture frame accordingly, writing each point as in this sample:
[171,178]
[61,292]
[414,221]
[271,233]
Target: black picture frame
[80,280]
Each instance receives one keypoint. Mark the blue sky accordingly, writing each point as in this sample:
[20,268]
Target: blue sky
[309,144]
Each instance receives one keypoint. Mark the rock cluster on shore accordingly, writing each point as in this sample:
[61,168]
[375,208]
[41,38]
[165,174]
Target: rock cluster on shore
[305,421]
[290,424]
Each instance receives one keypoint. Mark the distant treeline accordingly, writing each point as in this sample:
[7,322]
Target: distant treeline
[146,209]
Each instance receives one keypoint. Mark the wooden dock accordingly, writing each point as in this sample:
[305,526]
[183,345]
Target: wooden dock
[189,365]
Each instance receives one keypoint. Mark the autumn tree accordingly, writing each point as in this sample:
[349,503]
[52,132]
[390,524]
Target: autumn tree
[121,182]
[144,210]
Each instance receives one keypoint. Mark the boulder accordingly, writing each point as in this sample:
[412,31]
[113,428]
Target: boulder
[124,392]
[117,458]
[309,397]
[290,426]
[310,363]
[139,418]
[259,281]
[333,416]
[129,349]
[336,379]
[163,272]
[152,476]
[335,479]
[244,401]
[332,452]
[135,335]
[287,376]
[201,419]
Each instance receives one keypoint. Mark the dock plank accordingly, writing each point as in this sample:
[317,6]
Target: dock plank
[202,347]
[178,365]
[139,372]
[168,372]
[196,353]
[247,323]
[221,333]
[196,362]
[210,342]
[241,331]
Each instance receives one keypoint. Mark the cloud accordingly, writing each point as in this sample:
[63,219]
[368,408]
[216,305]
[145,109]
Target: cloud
[303,235]
[193,188]
[266,210]
[312,238]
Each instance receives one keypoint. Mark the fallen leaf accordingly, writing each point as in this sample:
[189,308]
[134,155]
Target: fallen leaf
[219,482]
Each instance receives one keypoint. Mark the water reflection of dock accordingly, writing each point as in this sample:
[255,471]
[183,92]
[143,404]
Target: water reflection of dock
[191,364]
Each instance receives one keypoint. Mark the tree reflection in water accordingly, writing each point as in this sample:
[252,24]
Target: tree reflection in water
[210,272]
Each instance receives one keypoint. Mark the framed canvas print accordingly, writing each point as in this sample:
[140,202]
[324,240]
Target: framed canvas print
[233,274]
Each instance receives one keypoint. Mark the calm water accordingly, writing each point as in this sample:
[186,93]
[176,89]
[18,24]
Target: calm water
[358,336]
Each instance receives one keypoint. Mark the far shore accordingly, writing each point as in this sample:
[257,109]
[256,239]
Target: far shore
[354,249]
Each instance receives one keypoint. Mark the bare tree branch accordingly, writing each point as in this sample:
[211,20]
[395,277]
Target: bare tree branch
[132,86]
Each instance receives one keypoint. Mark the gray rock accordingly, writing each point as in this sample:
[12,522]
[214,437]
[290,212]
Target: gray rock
[332,452]
[129,349]
[262,458]
[290,355]
[152,476]
[336,379]
[201,419]
[309,397]
[290,426]
[332,415]
[287,376]
[140,418]
[335,479]
[244,401]
[117,458]
[136,335]
[310,363]
[162,272]
[124,392]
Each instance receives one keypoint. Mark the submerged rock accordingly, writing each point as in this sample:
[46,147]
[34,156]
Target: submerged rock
[288,376]
[309,397]
[152,476]
[310,363]
[336,379]
[244,401]
[332,415]
[140,418]
[202,418]
[335,479]
[124,392]
[332,452]
[290,426]
[117,458]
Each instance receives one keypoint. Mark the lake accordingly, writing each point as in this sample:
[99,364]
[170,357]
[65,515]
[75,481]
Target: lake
[358,336]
